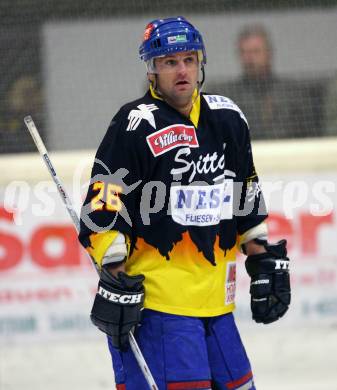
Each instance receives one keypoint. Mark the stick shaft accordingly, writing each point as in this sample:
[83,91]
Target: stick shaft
[44,154]
[66,200]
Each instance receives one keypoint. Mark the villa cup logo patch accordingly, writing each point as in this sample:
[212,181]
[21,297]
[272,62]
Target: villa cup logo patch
[172,137]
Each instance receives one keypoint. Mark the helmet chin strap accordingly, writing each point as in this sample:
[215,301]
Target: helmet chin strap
[201,83]
[154,84]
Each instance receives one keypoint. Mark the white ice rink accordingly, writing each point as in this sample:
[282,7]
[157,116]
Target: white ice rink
[299,359]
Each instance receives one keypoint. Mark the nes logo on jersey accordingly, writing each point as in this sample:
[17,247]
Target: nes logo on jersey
[172,137]
[218,102]
[193,205]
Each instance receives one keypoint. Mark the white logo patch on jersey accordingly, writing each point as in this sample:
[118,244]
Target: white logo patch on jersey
[230,282]
[172,137]
[202,205]
[218,102]
[144,112]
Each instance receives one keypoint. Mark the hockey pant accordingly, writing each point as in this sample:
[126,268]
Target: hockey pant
[185,353]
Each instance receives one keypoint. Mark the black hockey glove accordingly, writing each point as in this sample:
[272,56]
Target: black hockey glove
[117,306]
[270,282]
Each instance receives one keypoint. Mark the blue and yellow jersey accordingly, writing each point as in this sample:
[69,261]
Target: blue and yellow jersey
[182,190]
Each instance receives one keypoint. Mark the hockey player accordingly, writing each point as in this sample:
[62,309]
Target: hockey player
[173,194]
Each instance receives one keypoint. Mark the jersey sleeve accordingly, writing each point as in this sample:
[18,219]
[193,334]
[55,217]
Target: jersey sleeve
[116,181]
[250,207]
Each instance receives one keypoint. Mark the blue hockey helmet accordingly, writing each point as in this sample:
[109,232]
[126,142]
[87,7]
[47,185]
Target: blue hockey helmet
[171,35]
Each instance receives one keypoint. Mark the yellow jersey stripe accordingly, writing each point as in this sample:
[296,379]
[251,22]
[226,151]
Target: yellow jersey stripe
[195,112]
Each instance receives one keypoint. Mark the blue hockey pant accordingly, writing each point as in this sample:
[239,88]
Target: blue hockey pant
[185,353]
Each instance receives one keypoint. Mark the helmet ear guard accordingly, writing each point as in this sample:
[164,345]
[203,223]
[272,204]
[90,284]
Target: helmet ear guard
[150,66]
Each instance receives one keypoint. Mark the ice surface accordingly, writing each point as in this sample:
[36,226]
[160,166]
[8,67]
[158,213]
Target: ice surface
[282,359]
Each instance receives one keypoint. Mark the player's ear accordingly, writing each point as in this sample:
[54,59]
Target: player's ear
[151,77]
[152,80]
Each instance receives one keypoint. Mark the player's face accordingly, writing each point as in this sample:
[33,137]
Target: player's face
[255,55]
[177,77]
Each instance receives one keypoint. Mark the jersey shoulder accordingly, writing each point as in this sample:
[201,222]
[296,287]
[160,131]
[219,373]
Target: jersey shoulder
[127,119]
[138,113]
[126,107]
[223,103]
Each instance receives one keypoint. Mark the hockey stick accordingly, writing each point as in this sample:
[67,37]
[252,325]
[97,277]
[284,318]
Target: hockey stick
[66,200]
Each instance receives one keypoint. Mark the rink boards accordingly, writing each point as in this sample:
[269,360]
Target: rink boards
[47,283]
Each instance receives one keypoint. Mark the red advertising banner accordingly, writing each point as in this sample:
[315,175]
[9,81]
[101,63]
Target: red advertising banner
[47,282]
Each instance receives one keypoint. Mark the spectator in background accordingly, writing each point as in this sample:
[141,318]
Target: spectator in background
[275,107]
[330,109]
[20,87]
[22,98]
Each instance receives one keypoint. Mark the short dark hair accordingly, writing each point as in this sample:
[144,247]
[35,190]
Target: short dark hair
[255,29]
